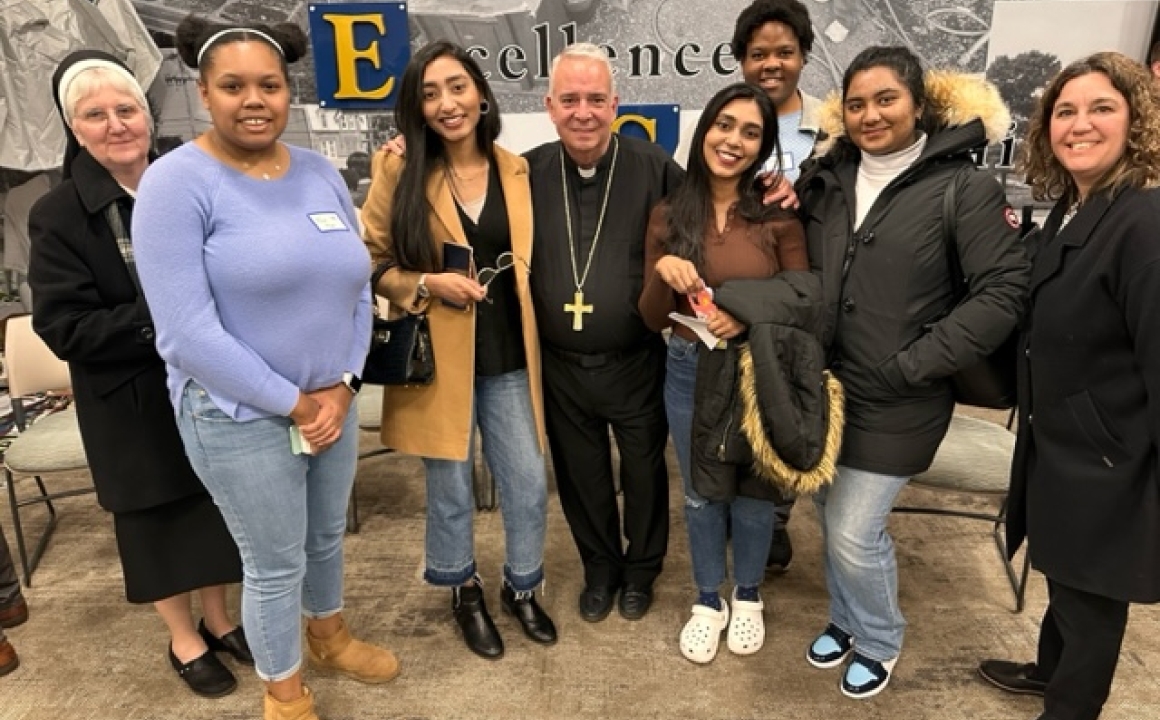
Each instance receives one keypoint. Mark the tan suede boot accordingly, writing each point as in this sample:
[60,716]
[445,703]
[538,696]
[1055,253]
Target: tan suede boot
[354,658]
[300,709]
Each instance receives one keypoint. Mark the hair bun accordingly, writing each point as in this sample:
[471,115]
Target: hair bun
[293,40]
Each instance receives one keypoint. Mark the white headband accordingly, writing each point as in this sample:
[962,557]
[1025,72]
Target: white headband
[221,33]
[75,71]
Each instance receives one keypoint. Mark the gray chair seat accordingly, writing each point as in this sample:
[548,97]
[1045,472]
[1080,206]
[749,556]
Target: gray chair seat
[52,444]
[975,457]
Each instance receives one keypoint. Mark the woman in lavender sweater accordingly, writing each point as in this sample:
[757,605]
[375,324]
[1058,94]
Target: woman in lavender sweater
[250,259]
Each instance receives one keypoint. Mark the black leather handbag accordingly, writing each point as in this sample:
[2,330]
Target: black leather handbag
[401,352]
[989,383]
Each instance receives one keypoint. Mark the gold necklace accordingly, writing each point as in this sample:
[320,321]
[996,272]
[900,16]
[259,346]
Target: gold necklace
[577,307]
[265,175]
[245,166]
[457,192]
[468,178]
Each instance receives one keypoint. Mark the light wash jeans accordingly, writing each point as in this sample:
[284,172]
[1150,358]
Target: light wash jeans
[502,410]
[861,570]
[752,519]
[286,512]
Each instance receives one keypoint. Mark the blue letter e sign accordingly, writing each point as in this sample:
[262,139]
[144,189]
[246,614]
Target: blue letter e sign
[360,50]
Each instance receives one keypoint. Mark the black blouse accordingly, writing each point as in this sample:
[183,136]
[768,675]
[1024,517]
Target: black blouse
[499,337]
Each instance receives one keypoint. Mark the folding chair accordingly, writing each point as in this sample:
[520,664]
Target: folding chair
[975,459]
[52,444]
[370,419]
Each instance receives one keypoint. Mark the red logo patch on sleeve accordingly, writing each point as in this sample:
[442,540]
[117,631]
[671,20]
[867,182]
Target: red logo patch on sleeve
[1011,217]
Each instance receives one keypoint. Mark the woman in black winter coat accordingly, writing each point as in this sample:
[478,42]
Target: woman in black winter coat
[88,308]
[1085,490]
[894,329]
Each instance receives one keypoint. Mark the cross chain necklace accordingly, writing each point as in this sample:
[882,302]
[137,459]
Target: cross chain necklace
[577,307]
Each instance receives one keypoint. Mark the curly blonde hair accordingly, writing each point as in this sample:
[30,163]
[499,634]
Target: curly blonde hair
[1139,166]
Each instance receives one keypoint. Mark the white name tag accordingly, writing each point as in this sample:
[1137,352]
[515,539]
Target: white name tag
[327,221]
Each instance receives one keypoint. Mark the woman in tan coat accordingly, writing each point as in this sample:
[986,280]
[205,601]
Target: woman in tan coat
[458,195]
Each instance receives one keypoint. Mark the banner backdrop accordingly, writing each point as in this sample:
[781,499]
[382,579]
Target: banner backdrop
[670,53]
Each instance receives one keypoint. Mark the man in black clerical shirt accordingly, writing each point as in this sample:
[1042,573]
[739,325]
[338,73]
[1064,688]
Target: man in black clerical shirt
[592,193]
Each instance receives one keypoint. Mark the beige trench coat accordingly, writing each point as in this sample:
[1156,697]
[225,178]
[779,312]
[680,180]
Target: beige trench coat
[434,420]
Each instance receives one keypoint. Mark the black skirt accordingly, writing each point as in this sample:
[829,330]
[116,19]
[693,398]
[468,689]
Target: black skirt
[175,548]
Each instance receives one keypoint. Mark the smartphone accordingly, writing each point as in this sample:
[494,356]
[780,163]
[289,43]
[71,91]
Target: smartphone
[457,259]
[298,444]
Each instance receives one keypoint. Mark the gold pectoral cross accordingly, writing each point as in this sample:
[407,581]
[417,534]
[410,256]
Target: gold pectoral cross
[578,310]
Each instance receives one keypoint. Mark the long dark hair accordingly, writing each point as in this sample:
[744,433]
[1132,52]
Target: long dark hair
[410,228]
[690,206]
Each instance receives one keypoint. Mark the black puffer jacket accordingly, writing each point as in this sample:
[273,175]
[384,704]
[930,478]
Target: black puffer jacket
[783,317]
[887,290]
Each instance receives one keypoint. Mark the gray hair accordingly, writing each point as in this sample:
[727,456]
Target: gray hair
[583,51]
[91,80]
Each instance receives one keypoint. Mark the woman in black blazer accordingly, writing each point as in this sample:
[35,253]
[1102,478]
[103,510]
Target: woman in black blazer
[1085,489]
[87,306]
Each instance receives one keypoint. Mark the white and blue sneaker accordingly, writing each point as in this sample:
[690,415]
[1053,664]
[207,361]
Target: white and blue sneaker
[866,678]
[830,648]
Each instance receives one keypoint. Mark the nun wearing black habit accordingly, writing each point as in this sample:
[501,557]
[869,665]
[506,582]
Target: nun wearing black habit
[88,308]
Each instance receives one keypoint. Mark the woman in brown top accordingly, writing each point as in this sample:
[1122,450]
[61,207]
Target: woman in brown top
[714,228]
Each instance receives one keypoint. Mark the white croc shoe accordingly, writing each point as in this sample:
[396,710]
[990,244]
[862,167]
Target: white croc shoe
[702,634]
[747,629]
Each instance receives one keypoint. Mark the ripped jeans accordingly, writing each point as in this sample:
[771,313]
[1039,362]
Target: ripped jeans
[707,522]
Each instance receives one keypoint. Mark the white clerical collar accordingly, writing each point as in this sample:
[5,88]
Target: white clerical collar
[601,164]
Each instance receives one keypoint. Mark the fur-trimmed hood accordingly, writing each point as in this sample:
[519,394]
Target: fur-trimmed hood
[767,417]
[956,98]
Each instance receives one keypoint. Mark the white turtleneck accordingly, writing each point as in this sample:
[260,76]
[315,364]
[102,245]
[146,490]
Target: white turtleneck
[876,171]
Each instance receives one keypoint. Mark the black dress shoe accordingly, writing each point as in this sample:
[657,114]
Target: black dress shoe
[233,642]
[479,631]
[1013,677]
[596,602]
[536,623]
[635,601]
[205,675]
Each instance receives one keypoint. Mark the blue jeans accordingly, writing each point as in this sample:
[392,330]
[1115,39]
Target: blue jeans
[861,570]
[752,519]
[502,410]
[286,512]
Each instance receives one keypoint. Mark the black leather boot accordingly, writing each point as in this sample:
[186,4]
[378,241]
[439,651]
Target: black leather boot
[479,631]
[536,623]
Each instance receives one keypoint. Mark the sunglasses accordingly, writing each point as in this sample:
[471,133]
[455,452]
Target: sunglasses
[504,261]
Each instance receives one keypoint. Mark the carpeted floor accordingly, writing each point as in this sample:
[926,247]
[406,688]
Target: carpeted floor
[87,654]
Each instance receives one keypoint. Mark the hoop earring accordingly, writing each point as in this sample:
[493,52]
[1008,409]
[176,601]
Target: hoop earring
[484,107]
